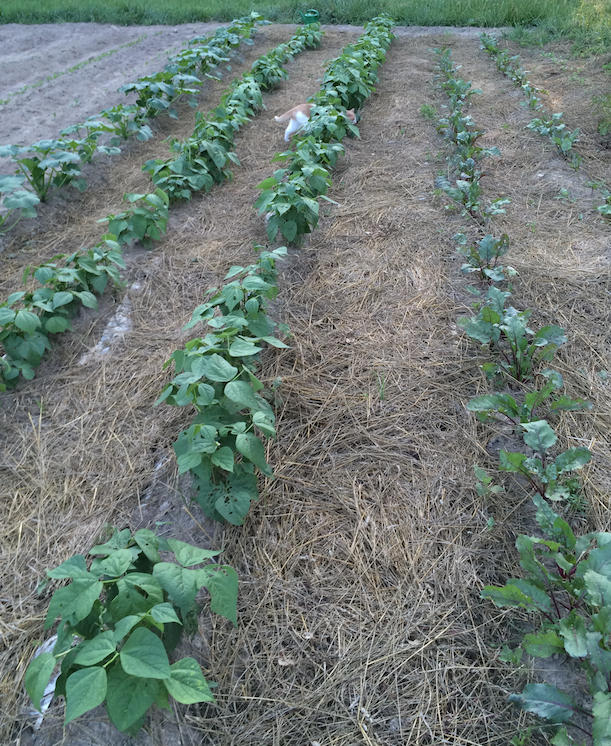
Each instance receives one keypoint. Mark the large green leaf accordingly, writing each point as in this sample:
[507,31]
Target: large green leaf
[75,599]
[27,321]
[115,564]
[179,584]
[251,447]
[599,657]
[148,542]
[7,316]
[94,651]
[223,458]
[74,567]
[546,701]
[599,561]
[242,348]
[125,625]
[189,555]
[165,614]
[85,689]
[38,675]
[511,595]
[57,324]
[573,630]
[241,393]
[187,684]
[601,727]
[143,655]
[574,458]
[539,435]
[222,584]
[218,369]
[543,644]
[62,298]
[598,588]
[265,422]
[128,697]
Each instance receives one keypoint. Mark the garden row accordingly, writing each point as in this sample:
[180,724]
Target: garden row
[27,318]
[48,165]
[127,610]
[567,580]
[549,125]
[216,373]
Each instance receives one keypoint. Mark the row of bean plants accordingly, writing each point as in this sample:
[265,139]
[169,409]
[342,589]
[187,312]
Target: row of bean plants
[290,197]
[567,578]
[48,165]
[204,158]
[216,373]
[546,124]
[67,282]
[127,611]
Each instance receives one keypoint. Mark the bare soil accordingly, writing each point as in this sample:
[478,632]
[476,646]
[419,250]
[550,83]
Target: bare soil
[360,568]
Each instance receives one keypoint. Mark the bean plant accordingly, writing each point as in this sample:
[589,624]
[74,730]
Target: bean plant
[17,200]
[290,197]
[205,158]
[46,165]
[145,223]
[28,317]
[121,618]
[216,375]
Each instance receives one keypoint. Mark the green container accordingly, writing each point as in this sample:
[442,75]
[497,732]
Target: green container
[310,16]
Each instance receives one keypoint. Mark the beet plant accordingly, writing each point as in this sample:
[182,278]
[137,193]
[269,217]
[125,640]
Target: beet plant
[505,332]
[121,618]
[464,187]
[508,409]
[567,588]
[483,258]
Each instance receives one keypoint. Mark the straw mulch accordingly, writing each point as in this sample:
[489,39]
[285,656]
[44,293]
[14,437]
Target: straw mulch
[359,613]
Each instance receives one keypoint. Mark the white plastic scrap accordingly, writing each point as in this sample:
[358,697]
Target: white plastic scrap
[46,698]
[117,327]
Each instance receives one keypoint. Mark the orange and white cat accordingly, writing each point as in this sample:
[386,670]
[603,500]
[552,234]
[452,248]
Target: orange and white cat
[299,115]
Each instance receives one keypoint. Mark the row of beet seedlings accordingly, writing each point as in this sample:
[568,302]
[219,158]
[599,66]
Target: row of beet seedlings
[27,318]
[567,578]
[549,125]
[48,165]
[121,618]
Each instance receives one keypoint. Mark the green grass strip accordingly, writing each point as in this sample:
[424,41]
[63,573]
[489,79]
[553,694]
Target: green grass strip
[555,14]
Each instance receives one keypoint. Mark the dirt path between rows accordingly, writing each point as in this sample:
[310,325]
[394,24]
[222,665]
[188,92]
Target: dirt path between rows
[360,621]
